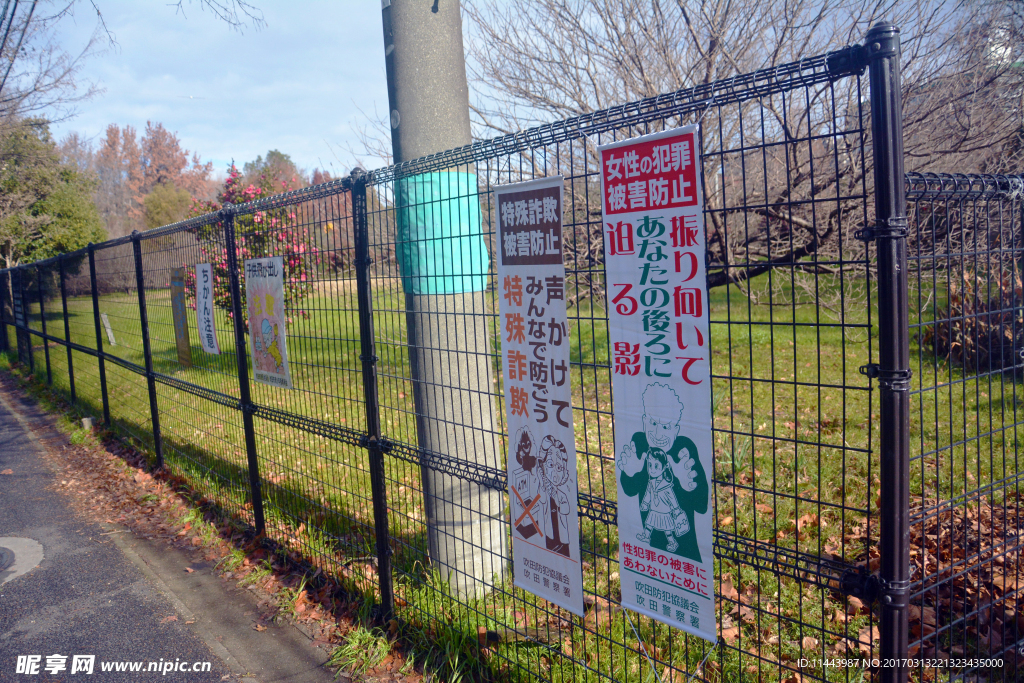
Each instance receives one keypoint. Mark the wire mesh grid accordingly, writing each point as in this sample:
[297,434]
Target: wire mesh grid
[80,330]
[51,315]
[787,180]
[791,325]
[122,330]
[314,469]
[197,393]
[967,322]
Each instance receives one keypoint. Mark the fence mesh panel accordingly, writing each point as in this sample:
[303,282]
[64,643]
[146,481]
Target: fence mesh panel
[967,323]
[787,181]
[790,327]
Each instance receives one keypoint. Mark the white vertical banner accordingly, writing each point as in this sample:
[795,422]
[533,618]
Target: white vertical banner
[661,380]
[264,298]
[542,481]
[205,308]
[106,325]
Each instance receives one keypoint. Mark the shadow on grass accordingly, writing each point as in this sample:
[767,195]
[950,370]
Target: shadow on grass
[326,550]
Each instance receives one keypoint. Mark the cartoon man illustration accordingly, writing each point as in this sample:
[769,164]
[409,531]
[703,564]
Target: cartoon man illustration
[554,473]
[270,343]
[663,468]
[524,495]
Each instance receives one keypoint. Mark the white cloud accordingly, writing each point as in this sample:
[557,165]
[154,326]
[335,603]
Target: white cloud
[296,85]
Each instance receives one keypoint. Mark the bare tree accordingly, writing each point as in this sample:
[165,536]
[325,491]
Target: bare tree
[237,14]
[37,75]
[784,174]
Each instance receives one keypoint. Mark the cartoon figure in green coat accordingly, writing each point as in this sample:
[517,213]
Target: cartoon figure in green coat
[663,469]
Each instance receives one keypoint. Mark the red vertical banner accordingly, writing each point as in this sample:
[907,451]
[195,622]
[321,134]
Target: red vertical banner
[542,483]
[653,213]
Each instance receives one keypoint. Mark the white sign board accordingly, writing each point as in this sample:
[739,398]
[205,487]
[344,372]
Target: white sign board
[264,297]
[205,308]
[106,326]
[538,394]
[661,380]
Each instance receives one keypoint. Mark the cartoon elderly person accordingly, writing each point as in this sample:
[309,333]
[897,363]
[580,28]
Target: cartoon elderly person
[553,462]
[669,499]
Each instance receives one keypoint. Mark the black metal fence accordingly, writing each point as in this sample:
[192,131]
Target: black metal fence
[862,511]
[967,332]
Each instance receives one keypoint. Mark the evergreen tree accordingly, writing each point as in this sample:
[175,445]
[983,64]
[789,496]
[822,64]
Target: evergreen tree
[46,206]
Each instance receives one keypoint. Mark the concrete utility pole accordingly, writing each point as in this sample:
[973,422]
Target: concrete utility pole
[444,264]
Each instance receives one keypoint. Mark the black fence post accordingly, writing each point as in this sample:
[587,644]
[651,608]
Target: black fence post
[154,411]
[882,46]
[67,328]
[24,321]
[14,276]
[374,442]
[4,343]
[241,358]
[42,318]
[99,333]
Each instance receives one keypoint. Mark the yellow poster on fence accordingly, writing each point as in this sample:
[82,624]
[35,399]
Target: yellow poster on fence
[264,295]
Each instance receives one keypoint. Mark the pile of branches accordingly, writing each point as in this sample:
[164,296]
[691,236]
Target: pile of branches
[981,327]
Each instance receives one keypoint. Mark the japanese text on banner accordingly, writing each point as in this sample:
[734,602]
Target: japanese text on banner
[538,396]
[205,307]
[661,382]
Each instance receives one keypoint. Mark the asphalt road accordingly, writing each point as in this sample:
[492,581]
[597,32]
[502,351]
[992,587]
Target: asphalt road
[84,597]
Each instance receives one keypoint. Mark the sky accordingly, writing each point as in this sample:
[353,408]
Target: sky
[296,85]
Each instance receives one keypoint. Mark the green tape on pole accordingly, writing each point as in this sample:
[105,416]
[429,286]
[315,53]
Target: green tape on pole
[441,247]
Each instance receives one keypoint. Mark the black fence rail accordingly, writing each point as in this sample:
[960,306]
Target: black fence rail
[865,474]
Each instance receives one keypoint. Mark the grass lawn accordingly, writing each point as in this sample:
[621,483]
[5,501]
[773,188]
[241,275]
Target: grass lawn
[795,428]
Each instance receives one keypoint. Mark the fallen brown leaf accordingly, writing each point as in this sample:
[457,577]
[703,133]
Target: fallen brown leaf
[806,521]
[867,635]
[650,650]
[165,620]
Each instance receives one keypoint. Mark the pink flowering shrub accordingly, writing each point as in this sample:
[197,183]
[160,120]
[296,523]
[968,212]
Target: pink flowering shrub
[257,235]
